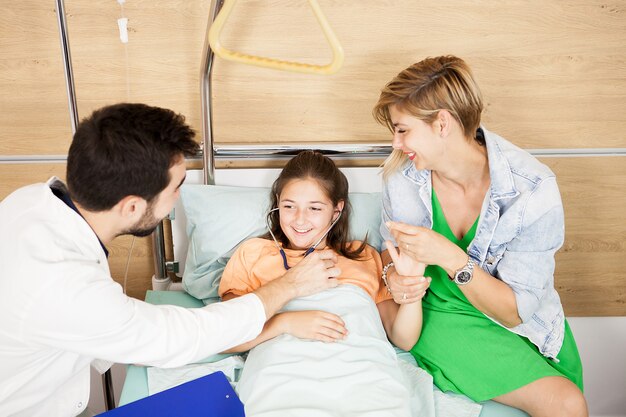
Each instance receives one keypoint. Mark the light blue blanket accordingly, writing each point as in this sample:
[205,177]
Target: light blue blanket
[358,376]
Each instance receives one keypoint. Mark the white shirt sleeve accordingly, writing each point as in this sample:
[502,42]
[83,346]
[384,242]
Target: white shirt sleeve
[87,313]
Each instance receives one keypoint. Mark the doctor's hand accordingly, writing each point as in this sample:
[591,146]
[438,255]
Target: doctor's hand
[311,275]
[313,325]
[427,246]
[406,280]
[314,273]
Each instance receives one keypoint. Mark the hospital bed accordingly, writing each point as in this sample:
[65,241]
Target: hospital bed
[210,221]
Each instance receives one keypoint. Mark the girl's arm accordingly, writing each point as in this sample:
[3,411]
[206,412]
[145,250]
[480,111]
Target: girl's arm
[313,324]
[403,322]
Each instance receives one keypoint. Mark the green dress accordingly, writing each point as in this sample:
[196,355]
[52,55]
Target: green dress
[468,353]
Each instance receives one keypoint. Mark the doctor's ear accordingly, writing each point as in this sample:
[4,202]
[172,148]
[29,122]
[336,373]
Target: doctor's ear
[131,206]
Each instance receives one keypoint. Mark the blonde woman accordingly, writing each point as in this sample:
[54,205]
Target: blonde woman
[487,219]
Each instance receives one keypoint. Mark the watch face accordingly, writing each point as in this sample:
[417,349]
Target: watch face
[463,277]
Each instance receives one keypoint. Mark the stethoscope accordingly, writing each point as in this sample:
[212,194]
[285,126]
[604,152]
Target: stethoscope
[309,250]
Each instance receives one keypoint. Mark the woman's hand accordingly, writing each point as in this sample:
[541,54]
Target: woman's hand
[314,325]
[427,246]
[406,282]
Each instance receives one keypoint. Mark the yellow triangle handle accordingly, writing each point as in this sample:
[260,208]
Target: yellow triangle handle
[219,50]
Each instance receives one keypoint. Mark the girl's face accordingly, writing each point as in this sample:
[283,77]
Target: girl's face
[306,213]
[416,138]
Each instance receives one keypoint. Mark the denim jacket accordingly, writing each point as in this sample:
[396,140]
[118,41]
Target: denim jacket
[521,227]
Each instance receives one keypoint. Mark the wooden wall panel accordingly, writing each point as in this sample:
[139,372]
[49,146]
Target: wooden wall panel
[15,176]
[160,65]
[34,118]
[553,73]
[140,269]
[590,272]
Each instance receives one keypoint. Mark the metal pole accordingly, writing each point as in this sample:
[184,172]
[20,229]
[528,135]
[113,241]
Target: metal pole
[205,93]
[158,238]
[158,248]
[67,64]
[107,386]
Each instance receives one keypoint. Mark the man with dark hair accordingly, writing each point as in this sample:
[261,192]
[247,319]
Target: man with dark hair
[59,308]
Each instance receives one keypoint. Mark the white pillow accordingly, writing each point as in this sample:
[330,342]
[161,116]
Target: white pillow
[219,218]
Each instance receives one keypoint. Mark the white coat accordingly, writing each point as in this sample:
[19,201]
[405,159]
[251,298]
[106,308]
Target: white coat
[60,309]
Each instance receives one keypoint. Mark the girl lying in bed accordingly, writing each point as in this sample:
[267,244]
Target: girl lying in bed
[325,354]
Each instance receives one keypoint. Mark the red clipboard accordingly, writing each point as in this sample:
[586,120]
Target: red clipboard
[209,396]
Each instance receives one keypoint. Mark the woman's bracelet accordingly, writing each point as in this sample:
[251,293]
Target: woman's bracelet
[384,275]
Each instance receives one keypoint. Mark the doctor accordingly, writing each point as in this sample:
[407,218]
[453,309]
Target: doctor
[60,309]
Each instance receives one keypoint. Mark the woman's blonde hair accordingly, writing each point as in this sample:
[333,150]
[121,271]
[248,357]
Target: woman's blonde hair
[425,88]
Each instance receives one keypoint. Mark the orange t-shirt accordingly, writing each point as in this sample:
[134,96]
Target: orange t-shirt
[257,261]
